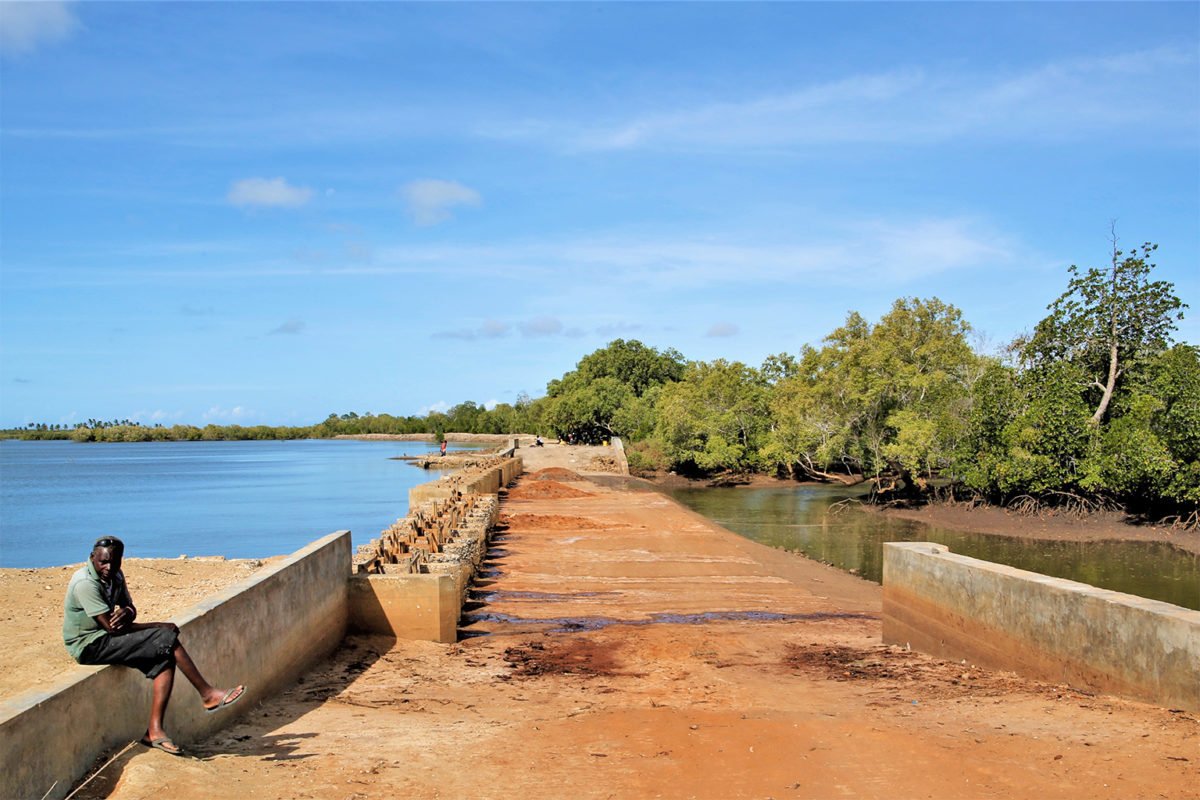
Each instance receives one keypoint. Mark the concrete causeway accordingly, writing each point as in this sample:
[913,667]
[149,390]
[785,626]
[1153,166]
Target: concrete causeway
[617,645]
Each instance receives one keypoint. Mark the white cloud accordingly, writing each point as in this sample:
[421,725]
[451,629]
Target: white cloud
[541,326]
[892,251]
[291,327]
[1122,95]
[441,407]
[722,329]
[268,192]
[432,201]
[494,328]
[158,415]
[219,414]
[887,251]
[24,26]
[490,329]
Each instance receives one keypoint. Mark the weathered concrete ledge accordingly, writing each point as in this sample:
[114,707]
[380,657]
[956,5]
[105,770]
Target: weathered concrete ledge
[264,632]
[997,616]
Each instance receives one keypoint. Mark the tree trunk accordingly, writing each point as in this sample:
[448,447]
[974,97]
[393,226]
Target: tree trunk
[812,472]
[1109,386]
[1113,370]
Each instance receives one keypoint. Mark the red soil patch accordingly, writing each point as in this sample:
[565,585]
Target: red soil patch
[547,490]
[550,522]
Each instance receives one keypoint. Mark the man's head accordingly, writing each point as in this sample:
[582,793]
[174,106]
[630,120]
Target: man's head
[106,556]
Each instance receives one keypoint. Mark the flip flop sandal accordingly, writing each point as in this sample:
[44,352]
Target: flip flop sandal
[231,697]
[163,743]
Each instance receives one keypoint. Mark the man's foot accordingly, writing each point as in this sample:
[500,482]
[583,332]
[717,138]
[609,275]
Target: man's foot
[228,699]
[163,743]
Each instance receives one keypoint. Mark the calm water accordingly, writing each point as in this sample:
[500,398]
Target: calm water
[800,519]
[236,499]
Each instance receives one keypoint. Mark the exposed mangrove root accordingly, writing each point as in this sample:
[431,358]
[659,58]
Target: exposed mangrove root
[843,504]
[1183,522]
[1063,502]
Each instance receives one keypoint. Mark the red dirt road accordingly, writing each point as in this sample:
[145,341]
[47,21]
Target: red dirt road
[620,646]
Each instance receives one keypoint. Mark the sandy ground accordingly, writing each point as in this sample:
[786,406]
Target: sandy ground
[620,646]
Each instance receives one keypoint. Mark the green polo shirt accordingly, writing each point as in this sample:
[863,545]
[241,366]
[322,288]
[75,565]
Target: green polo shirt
[85,599]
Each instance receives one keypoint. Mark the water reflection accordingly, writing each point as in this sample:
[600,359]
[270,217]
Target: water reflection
[801,519]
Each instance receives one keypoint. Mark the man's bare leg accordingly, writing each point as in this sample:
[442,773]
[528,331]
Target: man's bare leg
[163,683]
[210,696]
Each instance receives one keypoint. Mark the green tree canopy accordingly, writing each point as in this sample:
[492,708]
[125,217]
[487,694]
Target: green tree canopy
[610,391]
[1107,322]
[716,417]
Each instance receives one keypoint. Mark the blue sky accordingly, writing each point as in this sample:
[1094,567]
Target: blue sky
[267,212]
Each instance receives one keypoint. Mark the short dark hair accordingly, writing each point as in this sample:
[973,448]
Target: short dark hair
[109,542]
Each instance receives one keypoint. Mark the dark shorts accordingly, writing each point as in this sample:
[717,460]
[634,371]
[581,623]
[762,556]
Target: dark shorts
[150,650]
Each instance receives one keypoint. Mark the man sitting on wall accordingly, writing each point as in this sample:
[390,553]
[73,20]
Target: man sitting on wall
[99,628]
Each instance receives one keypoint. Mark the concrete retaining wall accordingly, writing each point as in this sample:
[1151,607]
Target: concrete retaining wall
[263,632]
[957,607]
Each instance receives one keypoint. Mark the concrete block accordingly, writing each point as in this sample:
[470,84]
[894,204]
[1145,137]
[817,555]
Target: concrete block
[423,606]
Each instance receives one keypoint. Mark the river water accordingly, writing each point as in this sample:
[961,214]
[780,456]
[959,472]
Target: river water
[801,519]
[164,499]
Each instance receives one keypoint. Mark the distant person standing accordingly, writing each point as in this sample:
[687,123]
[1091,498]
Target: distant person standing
[99,628]
[443,448]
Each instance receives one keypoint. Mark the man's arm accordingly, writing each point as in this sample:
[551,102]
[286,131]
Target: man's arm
[126,600]
[120,620]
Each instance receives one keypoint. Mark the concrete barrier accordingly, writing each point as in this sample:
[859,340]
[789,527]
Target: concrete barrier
[619,452]
[263,632]
[997,616]
[422,606]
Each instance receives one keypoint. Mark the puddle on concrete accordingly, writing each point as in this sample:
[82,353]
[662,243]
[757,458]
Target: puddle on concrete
[571,624]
